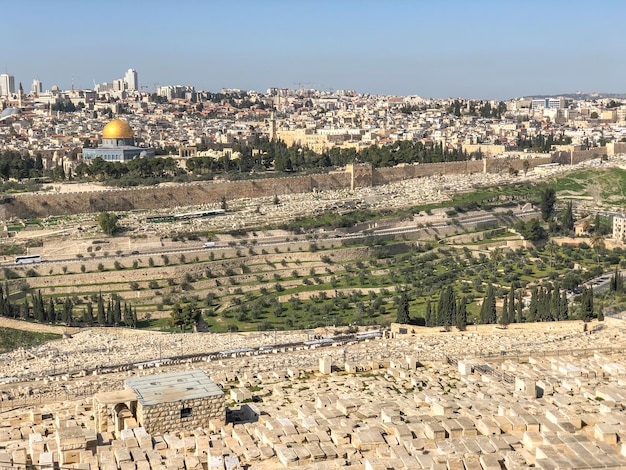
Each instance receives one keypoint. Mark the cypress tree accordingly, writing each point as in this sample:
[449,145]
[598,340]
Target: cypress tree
[617,282]
[101,315]
[110,315]
[52,314]
[68,308]
[461,315]
[511,304]
[488,309]
[403,310]
[586,304]
[555,304]
[520,308]
[563,308]
[446,307]
[567,220]
[88,314]
[428,316]
[533,306]
[117,312]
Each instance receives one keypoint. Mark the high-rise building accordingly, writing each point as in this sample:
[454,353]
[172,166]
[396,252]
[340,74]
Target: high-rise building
[119,84]
[131,80]
[548,103]
[7,84]
[36,88]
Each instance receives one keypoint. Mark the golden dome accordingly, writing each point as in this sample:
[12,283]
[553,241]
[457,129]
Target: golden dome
[117,129]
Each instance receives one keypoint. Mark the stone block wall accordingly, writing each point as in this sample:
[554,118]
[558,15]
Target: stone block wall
[193,194]
[166,417]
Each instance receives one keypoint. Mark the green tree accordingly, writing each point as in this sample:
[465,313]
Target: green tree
[461,315]
[488,309]
[511,304]
[68,307]
[101,314]
[567,218]
[586,305]
[108,222]
[519,308]
[617,282]
[503,318]
[446,308]
[563,307]
[184,316]
[403,316]
[428,316]
[88,314]
[548,198]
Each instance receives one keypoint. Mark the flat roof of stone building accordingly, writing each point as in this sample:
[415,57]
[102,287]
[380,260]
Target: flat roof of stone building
[176,386]
[115,396]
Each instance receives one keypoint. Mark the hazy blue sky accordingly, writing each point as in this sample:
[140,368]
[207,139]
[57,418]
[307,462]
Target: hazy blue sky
[437,48]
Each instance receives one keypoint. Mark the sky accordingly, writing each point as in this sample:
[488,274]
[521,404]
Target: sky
[481,49]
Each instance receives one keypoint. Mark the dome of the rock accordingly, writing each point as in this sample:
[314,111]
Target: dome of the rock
[117,129]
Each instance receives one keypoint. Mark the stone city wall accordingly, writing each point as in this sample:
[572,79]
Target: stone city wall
[166,417]
[577,156]
[151,198]
[211,193]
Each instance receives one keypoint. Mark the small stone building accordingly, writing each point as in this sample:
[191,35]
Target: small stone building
[177,401]
[162,403]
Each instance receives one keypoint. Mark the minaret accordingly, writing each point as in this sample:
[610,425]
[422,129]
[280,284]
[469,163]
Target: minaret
[272,127]
[20,95]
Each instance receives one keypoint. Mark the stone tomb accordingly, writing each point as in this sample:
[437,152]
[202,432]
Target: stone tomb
[161,403]
[177,401]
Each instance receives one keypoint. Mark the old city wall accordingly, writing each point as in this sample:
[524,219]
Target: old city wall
[211,193]
[390,175]
[166,196]
[577,156]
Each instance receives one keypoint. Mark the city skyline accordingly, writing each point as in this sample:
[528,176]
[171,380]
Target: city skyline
[483,49]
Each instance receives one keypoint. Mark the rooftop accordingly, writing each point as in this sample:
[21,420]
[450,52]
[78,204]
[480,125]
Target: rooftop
[176,386]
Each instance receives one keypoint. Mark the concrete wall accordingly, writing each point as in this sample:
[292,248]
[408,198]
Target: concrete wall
[118,200]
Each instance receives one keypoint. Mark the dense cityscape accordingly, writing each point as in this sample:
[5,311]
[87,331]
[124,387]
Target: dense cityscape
[422,283]
[330,128]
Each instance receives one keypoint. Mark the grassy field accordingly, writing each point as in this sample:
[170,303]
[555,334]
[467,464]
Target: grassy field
[11,339]
[606,186]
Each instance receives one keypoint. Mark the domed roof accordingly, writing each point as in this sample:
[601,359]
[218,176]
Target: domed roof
[9,112]
[117,129]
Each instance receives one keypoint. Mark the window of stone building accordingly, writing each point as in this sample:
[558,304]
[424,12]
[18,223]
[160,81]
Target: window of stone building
[186,413]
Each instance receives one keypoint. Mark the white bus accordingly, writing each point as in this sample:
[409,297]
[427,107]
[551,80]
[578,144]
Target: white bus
[27,259]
